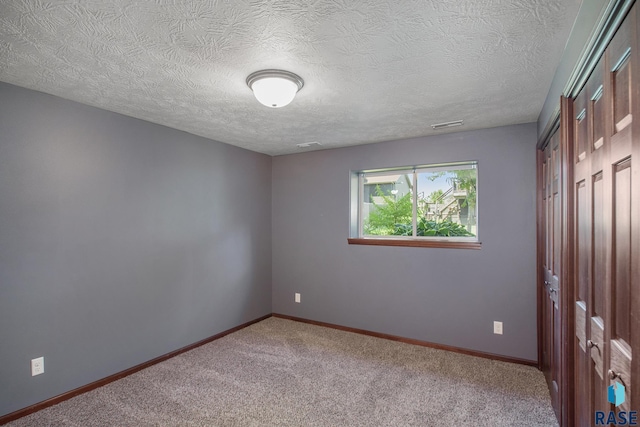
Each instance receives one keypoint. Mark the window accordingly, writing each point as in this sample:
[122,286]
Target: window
[429,205]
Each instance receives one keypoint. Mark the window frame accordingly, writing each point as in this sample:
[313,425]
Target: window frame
[356,234]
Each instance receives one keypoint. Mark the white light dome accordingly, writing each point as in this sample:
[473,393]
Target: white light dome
[274,88]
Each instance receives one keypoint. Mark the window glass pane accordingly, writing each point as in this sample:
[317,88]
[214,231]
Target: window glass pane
[447,202]
[388,204]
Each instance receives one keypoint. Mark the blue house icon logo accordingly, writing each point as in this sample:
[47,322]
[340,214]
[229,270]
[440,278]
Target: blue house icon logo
[616,394]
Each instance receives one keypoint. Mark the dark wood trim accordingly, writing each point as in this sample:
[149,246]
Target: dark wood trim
[414,243]
[539,251]
[567,304]
[111,378]
[635,207]
[412,341]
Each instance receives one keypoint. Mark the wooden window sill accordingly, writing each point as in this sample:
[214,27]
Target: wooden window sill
[415,243]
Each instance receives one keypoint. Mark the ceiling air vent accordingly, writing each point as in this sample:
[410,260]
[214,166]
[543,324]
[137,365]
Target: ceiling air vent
[308,144]
[447,124]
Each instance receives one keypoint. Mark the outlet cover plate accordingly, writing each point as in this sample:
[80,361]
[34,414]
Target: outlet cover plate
[497,328]
[37,366]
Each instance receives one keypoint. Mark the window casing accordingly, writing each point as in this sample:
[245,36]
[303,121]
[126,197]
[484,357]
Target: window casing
[427,205]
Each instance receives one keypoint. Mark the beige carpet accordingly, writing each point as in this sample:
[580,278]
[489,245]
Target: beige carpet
[284,373]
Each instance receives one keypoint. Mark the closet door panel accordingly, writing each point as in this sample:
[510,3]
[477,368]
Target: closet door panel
[551,223]
[621,57]
[605,227]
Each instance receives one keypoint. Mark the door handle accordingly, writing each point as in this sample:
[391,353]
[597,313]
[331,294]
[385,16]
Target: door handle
[552,290]
[613,374]
[592,344]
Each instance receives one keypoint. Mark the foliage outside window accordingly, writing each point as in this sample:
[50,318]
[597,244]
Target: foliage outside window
[428,202]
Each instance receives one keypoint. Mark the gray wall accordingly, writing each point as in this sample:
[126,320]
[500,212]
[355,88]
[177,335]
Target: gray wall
[120,241]
[446,296]
[591,11]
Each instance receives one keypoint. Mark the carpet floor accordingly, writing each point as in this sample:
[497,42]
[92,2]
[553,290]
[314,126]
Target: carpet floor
[284,373]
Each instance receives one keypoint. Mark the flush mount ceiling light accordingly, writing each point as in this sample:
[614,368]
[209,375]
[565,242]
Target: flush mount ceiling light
[274,88]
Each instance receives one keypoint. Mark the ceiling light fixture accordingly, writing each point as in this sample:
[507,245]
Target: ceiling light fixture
[447,124]
[274,88]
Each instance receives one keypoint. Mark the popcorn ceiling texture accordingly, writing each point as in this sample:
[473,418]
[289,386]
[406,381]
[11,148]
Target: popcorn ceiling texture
[373,70]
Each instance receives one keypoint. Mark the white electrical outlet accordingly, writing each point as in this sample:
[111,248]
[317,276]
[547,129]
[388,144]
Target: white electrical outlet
[297,297]
[497,328]
[37,366]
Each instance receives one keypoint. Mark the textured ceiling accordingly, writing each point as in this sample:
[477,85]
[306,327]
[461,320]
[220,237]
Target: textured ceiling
[374,70]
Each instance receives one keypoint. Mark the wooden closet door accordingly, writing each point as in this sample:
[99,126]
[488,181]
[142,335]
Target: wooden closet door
[582,251]
[606,232]
[551,225]
[621,78]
